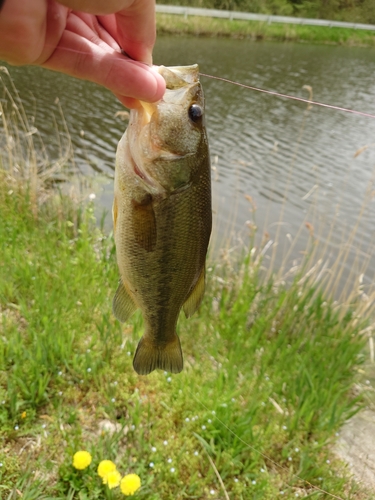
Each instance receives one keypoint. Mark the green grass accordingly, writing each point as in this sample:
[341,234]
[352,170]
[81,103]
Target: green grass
[269,377]
[203,26]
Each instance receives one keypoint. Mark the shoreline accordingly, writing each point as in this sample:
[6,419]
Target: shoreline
[172,24]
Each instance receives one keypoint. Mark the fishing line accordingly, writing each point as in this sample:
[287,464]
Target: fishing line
[266,457]
[294,98]
[257,89]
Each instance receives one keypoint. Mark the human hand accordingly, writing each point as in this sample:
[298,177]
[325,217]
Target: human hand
[84,38]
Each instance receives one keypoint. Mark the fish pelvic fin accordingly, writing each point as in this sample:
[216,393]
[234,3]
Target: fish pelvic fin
[123,305]
[149,357]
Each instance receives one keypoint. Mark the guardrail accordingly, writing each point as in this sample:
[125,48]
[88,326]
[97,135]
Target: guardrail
[247,16]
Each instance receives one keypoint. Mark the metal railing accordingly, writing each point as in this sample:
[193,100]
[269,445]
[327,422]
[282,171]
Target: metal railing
[247,16]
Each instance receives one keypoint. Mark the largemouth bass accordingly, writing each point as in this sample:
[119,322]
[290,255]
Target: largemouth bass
[162,216]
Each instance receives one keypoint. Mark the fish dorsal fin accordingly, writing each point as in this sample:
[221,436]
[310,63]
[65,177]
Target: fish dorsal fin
[114,213]
[123,305]
[196,295]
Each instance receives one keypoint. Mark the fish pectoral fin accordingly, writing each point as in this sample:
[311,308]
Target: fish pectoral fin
[123,305]
[144,223]
[149,357]
[195,297]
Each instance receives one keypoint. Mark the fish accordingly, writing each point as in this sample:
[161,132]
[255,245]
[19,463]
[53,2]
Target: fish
[162,216]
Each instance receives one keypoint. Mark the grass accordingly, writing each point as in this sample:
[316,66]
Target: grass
[203,26]
[270,370]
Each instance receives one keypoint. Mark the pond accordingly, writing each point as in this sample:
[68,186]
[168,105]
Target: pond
[299,167]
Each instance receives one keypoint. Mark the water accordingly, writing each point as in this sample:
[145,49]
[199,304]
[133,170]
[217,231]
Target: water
[297,165]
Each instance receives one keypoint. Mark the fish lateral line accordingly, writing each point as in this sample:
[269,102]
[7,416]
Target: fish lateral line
[292,97]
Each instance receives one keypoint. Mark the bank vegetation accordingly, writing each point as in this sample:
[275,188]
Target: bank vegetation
[272,367]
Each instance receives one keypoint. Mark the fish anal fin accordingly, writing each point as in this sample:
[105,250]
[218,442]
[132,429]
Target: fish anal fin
[195,297]
[144,223]
[149,357]
[123,305]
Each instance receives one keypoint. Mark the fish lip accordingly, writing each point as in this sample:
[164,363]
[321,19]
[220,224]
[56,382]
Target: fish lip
[148,110]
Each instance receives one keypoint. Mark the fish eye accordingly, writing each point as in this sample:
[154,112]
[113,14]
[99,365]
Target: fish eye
[195,113]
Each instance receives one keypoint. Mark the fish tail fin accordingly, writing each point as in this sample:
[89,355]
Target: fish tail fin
[149,357]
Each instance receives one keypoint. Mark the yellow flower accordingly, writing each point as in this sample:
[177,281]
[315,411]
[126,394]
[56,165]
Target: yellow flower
[23,414]
[81,459]
[130,484]
[112,479]
[105,467]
